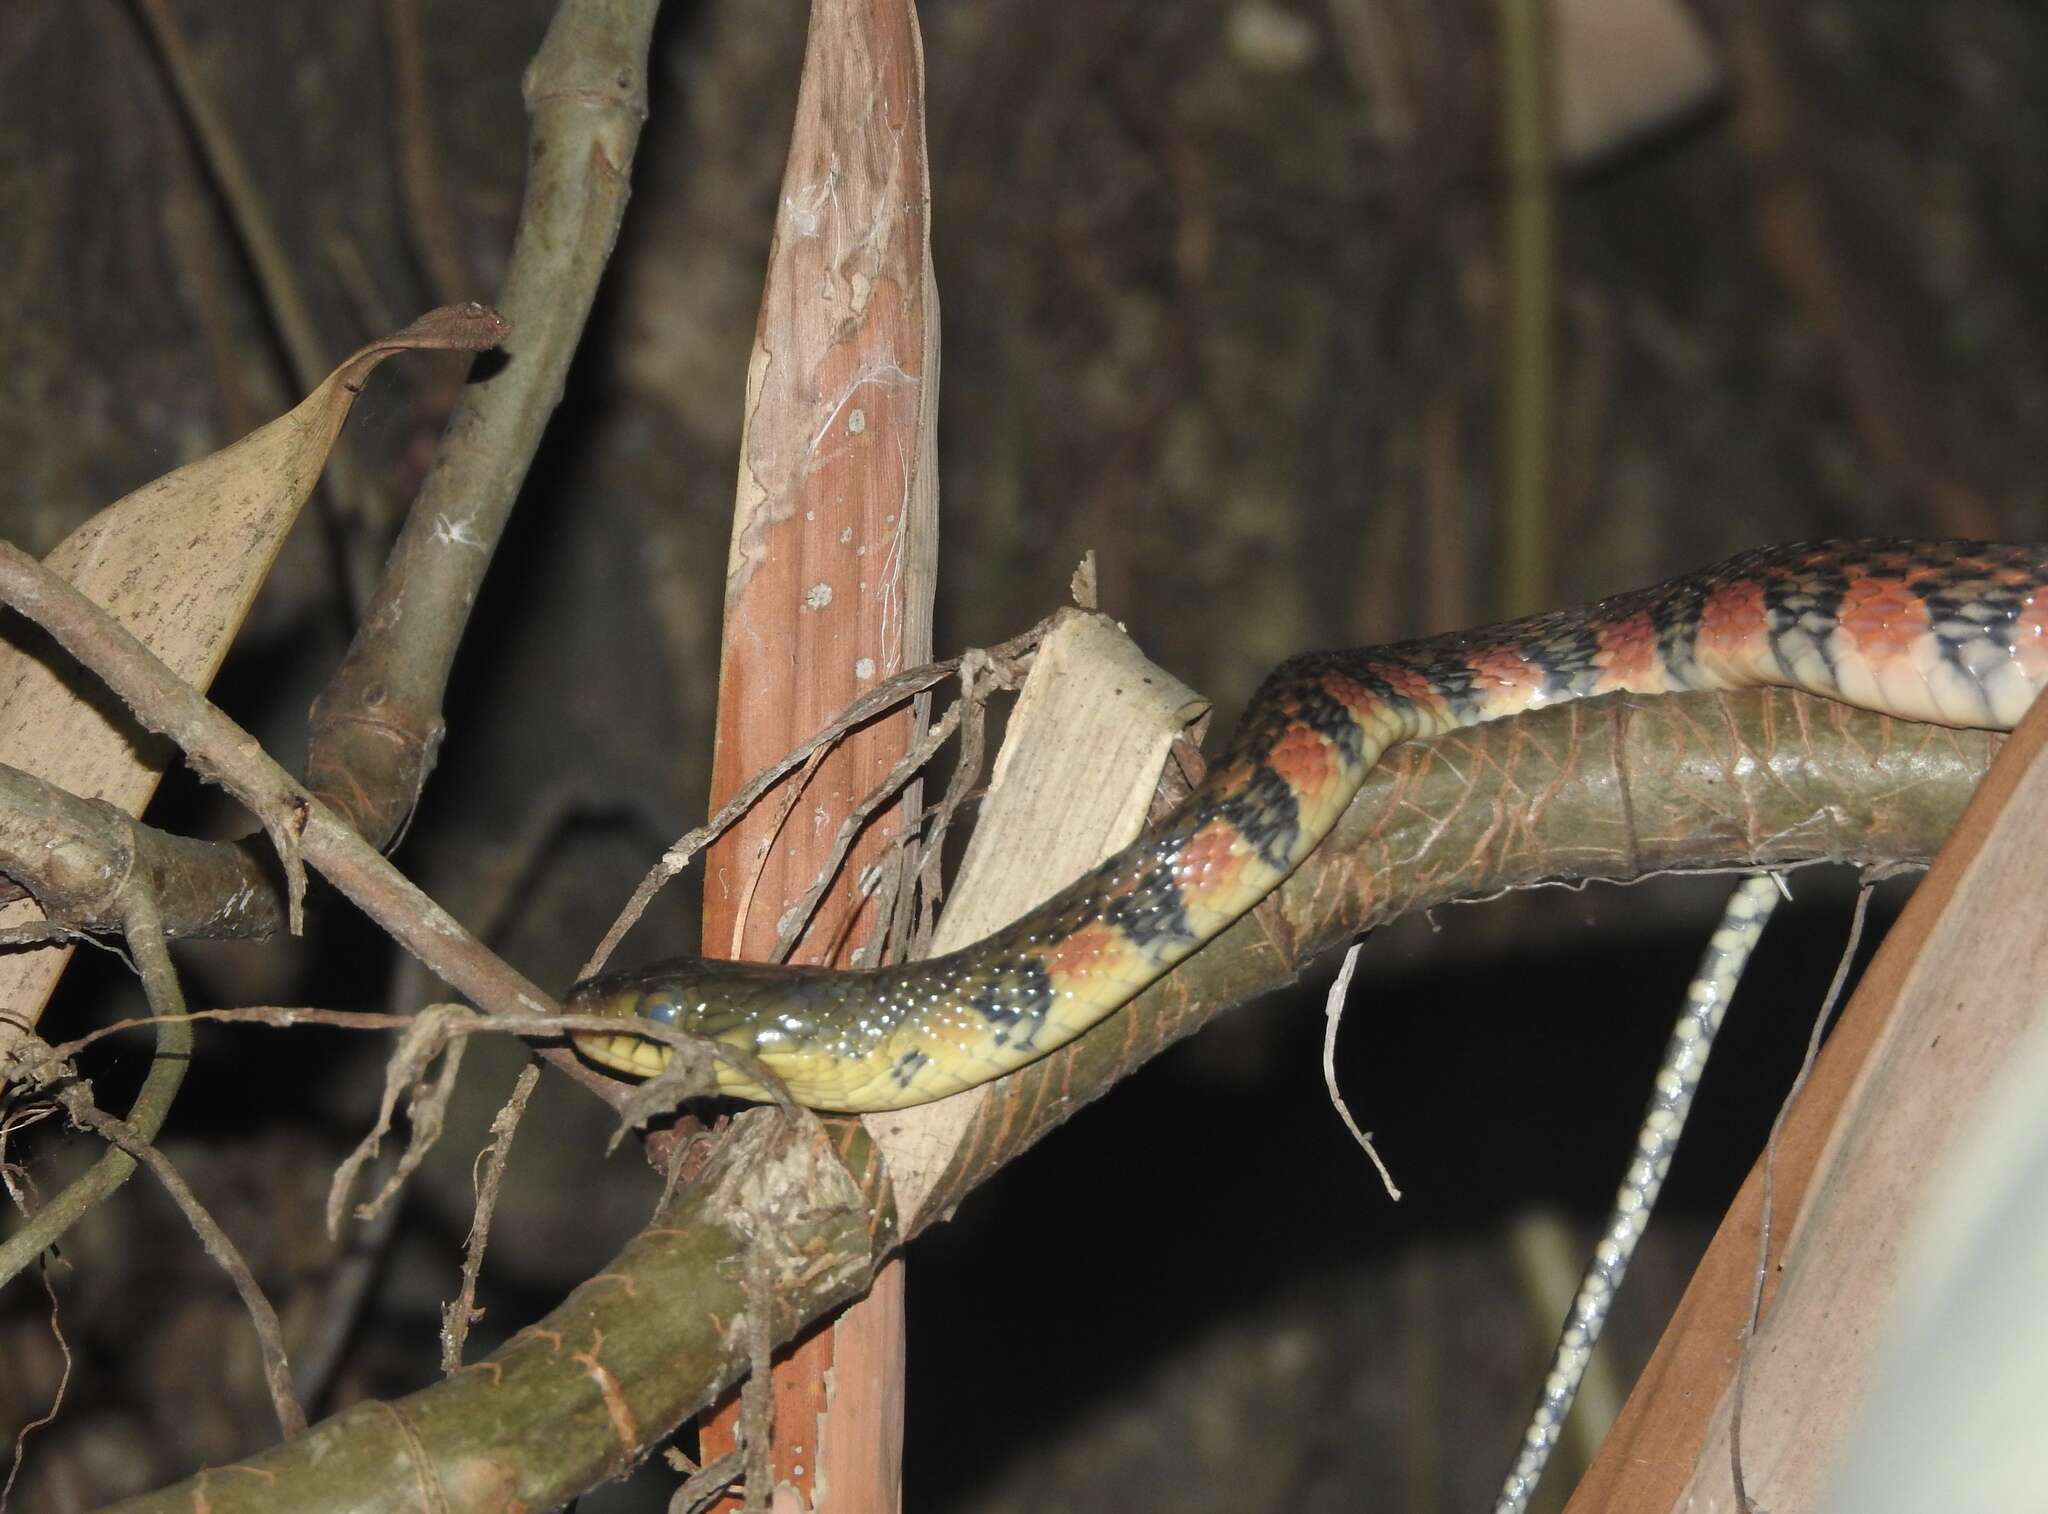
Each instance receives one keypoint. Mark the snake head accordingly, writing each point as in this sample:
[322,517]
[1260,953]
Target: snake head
[626,996]
[757,1007]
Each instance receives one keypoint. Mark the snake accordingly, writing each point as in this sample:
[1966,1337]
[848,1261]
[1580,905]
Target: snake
[1950,632]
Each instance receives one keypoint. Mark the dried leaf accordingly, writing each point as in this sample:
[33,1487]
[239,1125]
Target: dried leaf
[178,562]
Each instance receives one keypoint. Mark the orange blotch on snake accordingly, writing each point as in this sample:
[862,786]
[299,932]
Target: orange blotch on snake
[1304,759]
[1508,674]
[1884,616]
[1732,620]
[1081,954]
[1628,651]
[1212,859]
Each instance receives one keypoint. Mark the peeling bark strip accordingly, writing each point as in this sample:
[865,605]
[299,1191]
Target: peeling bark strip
[844,373]
[828,592]
[836,511]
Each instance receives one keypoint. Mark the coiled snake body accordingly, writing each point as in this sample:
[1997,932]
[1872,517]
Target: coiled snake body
[1953,632]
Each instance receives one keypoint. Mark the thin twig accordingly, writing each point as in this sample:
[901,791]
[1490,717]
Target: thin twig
[56,1399]
[277,1372]
[687,1075]
[460,1315]
[978,670]
[798,916]
[291,1016]
[52,933]
[1763,1237]
[703,1486]
[791,794]
[1333,1015]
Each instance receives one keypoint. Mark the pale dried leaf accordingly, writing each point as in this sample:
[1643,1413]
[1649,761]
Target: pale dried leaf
[178,562]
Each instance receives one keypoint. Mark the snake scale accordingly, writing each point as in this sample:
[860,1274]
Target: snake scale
[1952,632]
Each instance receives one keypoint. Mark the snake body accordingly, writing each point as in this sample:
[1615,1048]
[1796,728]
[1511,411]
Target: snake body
[1951,632]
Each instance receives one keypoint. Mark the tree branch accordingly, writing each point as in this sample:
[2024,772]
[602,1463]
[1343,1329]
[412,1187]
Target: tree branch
[377,725]
[79,857]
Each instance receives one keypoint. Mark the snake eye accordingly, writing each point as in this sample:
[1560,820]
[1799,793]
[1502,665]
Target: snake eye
[661,1008]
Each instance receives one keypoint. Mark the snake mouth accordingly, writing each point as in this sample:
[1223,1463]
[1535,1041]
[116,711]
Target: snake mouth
[637,1057]
[620,1051]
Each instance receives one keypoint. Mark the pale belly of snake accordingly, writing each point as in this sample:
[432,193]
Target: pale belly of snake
[1952,632]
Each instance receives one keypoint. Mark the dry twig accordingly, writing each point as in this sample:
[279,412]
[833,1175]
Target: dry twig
[461,1314]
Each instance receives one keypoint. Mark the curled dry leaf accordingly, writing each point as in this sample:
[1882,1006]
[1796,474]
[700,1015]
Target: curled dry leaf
[178,562]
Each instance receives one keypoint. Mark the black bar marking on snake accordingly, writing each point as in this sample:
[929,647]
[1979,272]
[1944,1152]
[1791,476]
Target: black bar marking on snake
[1017,993]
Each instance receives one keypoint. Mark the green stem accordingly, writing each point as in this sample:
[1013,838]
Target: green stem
[1527,357]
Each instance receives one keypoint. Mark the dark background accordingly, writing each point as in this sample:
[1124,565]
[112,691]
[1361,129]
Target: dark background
[1223,294]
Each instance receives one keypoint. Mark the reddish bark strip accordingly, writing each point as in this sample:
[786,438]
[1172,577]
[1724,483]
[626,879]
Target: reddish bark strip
[828,590]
